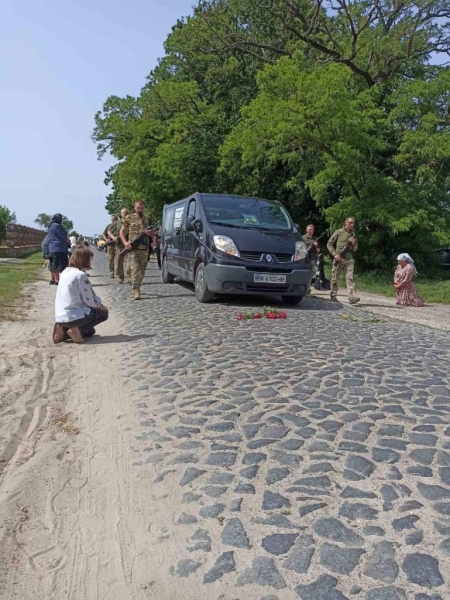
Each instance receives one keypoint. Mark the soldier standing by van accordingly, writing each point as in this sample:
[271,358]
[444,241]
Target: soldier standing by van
[313,247]
[132,226]
[120,261]
[342,245]
[109,236]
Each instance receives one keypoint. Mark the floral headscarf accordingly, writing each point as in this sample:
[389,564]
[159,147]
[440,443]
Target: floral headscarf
[406,257]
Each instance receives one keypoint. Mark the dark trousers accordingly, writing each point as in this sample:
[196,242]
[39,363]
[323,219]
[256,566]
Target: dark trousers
[158,256]
[87,324]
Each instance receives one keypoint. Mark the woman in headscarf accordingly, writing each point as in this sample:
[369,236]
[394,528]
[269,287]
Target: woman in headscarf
[404,287]
[58,247]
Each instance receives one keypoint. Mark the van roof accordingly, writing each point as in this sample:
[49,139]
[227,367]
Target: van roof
[197,194]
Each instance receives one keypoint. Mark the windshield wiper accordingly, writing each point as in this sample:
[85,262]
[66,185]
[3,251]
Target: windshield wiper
[269,229]
[230,225]
[256,227]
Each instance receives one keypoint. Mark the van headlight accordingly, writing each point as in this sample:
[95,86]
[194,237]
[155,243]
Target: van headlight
[225,244]
[300,251]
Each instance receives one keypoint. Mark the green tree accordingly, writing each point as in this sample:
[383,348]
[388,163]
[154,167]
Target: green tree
[167,141]
[43,220]
[6,216]
[67,223]
[355,113]
[332,107]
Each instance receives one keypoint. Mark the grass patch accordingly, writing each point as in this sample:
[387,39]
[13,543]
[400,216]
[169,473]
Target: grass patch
[12,277]
[64,423]
[354,319]
[435,288]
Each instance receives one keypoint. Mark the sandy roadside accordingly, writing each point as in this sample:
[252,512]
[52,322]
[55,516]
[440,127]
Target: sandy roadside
[76,522]
[436,316]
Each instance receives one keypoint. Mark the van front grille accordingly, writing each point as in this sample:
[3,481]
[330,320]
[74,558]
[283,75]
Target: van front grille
[270,289]
[267,270]
[283,258]
[251,255]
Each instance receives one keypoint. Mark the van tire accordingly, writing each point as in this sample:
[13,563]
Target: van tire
[166,276]
[292,300]
[201,288]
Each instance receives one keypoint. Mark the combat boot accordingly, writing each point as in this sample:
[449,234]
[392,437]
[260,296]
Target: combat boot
[353,299]
[333,299]
[120,280]
[137,294]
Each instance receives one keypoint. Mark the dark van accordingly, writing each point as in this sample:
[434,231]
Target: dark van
[234,245]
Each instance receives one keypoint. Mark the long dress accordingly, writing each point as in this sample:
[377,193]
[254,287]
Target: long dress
[407,294]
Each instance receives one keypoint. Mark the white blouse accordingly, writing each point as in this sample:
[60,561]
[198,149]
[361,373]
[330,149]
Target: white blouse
[74,296]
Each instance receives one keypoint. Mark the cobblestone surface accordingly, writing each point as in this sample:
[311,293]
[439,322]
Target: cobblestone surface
[312,454]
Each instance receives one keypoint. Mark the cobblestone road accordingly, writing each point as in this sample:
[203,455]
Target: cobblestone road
[312,455]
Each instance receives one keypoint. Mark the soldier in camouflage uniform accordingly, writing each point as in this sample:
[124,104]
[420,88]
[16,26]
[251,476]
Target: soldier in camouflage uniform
[110,235]
[313,248]
[346,263]
[120,261]
[133,225]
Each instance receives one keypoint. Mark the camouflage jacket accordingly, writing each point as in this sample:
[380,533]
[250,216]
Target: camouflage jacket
[338,240]
[134,225]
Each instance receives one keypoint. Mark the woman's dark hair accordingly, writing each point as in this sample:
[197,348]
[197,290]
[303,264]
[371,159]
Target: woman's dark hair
[81,258]
[57,218]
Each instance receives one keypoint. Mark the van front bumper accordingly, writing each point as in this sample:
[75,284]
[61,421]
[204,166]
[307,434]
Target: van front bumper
[234,279]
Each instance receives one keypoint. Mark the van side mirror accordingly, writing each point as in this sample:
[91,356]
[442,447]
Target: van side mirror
[193,224]
[190,220]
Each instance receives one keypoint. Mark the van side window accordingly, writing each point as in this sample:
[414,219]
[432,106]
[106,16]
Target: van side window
[192,211]
[178,217]
[168,220]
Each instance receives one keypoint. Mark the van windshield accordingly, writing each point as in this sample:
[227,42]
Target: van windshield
[247,213]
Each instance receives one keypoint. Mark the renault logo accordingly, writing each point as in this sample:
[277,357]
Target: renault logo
[269,258]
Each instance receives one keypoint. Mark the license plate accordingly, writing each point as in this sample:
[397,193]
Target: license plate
[267,278]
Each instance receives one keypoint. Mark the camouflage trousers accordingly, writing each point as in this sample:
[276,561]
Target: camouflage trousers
[111,253]
[348,266]
[120,262]
[138,264]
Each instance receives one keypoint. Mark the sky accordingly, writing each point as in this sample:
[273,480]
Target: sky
[59,62]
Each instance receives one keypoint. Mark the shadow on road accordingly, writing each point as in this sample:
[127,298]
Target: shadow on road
[163,297]
[238,301]
[115,339]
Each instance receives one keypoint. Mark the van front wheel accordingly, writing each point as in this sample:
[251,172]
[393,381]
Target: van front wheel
[201,288]
[166,276]
[292,300]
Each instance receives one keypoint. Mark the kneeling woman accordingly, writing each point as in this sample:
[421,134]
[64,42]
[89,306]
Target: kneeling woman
[404,288]
[77,309]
